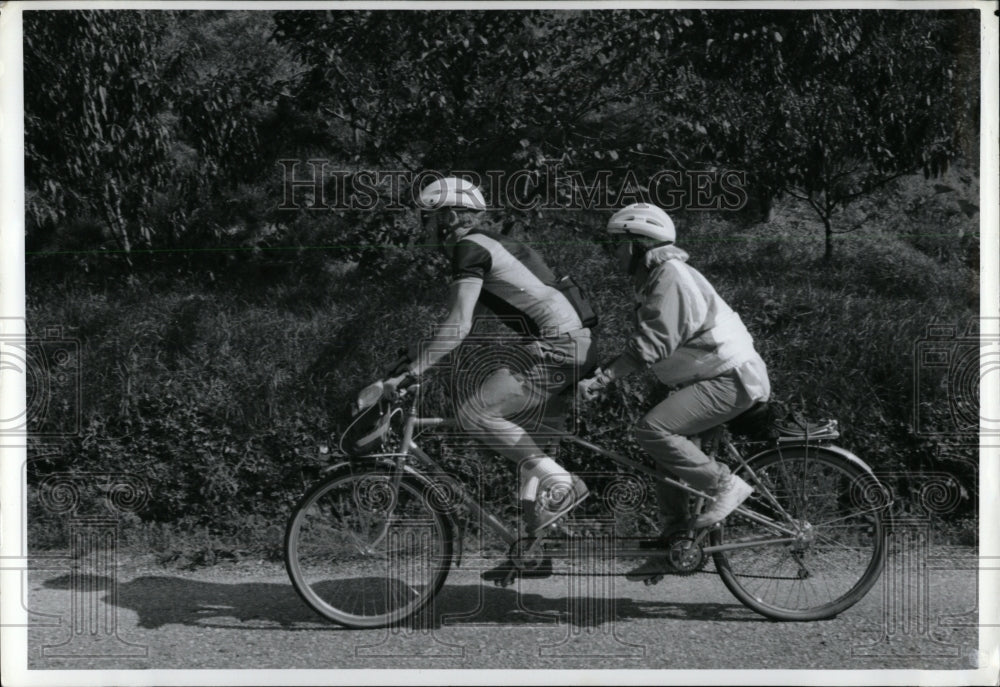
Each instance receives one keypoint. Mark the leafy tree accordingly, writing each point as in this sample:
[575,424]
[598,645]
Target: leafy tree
[95,142]
[829,106]
[495,90]
[826,106]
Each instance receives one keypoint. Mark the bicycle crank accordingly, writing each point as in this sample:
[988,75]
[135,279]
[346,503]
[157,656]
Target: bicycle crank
[527,553]
[526,560]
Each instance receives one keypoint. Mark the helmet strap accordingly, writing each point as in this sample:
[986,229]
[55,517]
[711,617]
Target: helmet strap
[451,228]
[638,252]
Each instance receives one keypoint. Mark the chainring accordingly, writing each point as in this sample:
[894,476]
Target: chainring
[517,556]
[686,556]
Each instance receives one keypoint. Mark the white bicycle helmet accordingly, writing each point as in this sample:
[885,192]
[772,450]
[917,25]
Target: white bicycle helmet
[643,219]
[451,192]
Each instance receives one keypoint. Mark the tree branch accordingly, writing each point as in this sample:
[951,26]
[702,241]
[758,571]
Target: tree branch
[868,188]
[793,194]
[857,225]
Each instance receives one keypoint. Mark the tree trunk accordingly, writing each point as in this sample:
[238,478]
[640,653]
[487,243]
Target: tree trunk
[828,227]
[767,207]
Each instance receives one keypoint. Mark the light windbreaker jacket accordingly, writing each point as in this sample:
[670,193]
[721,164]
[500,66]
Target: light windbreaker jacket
[685,331]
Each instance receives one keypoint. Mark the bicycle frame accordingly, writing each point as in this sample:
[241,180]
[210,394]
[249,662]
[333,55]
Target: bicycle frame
[407,447]
[812,574]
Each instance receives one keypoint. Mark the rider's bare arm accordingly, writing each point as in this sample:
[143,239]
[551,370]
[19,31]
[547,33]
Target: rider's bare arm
[450,332]
[622,366]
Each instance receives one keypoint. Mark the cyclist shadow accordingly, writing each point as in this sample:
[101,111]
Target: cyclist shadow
[486,604]
[159,600]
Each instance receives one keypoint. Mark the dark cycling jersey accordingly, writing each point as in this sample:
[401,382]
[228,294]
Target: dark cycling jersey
[516,283]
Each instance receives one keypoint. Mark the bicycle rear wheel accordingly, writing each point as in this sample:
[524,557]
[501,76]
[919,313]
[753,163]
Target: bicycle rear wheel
[835,507]
[363,554]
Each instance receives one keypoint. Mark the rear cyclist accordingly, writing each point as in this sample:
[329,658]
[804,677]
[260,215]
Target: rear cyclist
[508,278]
[694,343]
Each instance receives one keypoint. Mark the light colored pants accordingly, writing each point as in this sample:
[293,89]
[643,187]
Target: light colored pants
[663,433]
[509,405]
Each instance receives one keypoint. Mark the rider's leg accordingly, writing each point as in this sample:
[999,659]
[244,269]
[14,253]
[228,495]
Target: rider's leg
[488,411]
[511,404]
[527,393]
[672,506]
[486,414]
[663,431]
[674,503]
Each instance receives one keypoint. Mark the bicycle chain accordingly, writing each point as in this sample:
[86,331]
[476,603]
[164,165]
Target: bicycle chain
[672,571]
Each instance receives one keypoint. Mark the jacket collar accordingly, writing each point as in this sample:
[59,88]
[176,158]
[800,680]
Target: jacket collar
[652,259]
[660,254]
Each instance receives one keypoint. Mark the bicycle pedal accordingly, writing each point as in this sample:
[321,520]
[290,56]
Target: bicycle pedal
[505,582]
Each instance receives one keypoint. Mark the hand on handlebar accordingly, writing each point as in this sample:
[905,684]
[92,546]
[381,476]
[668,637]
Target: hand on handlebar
[393,385]
[400,365]
[390,385]
[591,389]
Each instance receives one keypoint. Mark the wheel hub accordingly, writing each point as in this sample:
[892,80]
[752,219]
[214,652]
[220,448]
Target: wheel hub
[805,534]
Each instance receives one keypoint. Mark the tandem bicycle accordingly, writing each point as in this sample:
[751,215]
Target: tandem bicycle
[371,544]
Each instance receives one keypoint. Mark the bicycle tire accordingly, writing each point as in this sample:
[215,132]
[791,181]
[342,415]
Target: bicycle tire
[841,501]
[332,533]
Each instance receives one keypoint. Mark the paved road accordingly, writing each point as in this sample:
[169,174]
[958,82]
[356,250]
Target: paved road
[246,615]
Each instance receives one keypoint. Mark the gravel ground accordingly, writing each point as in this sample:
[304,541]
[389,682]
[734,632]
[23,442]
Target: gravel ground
[246,615]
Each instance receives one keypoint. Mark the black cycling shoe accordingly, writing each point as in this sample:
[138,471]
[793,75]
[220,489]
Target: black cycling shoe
[658,565]
[655,566]
[508,572]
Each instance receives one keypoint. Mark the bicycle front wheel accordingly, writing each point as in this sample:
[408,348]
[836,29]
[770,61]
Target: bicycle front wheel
[834,506]
[366,553]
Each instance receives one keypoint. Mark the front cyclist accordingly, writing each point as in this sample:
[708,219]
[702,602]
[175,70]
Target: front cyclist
[694,343]
[508,278]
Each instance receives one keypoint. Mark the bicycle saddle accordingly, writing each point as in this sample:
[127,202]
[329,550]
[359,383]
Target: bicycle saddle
[759,422]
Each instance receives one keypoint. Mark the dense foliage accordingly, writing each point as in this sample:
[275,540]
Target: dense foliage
[221,327]
[174,136]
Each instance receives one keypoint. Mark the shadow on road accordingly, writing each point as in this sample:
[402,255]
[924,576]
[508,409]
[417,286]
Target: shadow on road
[160,600]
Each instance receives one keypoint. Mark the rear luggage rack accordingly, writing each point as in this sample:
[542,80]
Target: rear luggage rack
[798,431]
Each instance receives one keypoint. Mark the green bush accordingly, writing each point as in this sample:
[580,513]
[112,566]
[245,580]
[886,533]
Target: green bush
[221,387]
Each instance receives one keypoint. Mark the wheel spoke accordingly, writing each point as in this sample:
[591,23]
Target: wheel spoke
[837,555]
[363,556]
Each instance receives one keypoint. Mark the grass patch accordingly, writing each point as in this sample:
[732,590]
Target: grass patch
[220,386]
